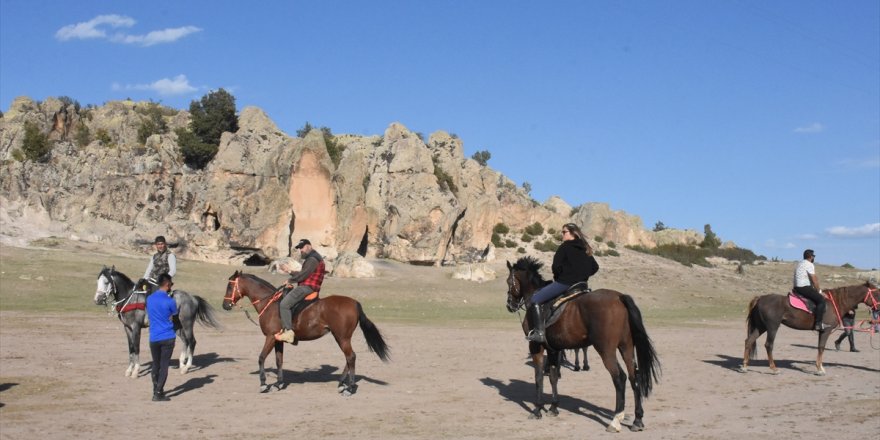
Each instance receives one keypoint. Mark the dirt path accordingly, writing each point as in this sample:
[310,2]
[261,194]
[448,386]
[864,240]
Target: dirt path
[443,382]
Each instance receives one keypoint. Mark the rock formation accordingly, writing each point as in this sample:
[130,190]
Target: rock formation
[393,196]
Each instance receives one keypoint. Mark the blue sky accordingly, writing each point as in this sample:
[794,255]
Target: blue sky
[759,118]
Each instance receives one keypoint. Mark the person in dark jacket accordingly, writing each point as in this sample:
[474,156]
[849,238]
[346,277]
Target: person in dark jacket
[572,263]
[309,280]
[849,321]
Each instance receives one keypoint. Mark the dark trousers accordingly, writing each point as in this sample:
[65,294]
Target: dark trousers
[161,351]
[813,295]
[848,322]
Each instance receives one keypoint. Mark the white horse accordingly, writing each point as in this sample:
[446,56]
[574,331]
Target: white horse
[118,292]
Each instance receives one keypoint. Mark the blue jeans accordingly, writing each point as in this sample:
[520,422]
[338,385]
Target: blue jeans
[549,292]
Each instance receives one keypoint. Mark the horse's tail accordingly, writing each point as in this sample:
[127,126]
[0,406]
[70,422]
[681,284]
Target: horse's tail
[648,370]
[374,338]
[752,321]
[205,313]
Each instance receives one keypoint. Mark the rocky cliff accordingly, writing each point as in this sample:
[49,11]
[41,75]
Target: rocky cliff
[394,196]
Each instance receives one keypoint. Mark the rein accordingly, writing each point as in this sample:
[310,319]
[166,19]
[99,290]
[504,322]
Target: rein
[236,291]
[874,306]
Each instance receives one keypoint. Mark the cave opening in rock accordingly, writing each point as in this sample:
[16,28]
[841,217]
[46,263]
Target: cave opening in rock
[362,248]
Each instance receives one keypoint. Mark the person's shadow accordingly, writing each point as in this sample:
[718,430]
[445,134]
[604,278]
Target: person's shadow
[190,385]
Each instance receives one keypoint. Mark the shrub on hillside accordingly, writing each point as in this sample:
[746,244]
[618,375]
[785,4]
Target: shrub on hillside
[35,145]
[526,237]
[501,228]
[738,254]
[535,229]
[496,241]
[687,255]
[196,154]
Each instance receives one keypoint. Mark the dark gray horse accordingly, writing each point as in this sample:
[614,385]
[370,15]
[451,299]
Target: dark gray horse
[118,293]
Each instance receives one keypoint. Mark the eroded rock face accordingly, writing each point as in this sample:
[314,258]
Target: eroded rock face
[391,196]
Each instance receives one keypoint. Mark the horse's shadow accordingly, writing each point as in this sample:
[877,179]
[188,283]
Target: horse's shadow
[5,386]
[733,363]
[522,393]
[325,373]
[191,384]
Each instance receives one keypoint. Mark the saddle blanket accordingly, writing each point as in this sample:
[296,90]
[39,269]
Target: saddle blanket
[800,302]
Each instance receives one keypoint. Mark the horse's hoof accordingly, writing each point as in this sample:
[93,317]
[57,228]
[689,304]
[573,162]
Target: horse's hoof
[265,388]
[774,371]
[535,415]
[553,412]
[637,426]
[742,369]
[586,368]
[820,373]
[346,393]
[611,428]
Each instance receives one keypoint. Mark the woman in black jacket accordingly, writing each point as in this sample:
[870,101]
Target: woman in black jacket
[572,263]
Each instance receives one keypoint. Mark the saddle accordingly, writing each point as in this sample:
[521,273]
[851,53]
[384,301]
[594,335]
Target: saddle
[558,306]
[801,302]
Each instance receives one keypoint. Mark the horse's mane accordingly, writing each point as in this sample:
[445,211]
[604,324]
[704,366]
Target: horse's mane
[109,272]
[259,280]
[533,267]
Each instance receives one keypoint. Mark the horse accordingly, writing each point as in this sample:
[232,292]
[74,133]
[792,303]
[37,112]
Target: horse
[576,366]
[337,314]
[606,319]
[767,312]
[129,306]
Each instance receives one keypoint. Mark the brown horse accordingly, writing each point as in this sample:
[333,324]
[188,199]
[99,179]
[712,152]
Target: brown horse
[767,312]
[609,321]
[339,315]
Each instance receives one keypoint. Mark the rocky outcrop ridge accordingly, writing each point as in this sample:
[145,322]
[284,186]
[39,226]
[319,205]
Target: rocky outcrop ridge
[393,196]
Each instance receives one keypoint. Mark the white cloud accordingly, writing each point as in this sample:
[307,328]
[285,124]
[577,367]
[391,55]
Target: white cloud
[90,29]
[179,85]
[871,162]
[95,28]
[772,244]
[807,237]
[855,232]
[815,127]
[156,37]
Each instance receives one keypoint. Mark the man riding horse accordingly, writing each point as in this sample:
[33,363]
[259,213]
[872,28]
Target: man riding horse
[806,284]
[309,278]
[162,262]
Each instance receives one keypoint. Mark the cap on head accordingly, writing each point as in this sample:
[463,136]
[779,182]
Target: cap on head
[302,243]
[809,253]
[159,239]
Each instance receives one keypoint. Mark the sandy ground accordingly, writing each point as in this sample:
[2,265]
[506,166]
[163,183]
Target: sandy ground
[62,377]
[61,373]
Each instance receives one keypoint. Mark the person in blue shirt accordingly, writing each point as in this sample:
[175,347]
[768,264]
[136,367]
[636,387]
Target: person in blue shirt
[162,311]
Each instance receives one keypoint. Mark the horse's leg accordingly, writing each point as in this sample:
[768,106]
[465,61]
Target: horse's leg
[129,336]
[538,361]
[136,350]
[261,360]
[346,381]
[618,377]
[554,379]
[189,345]
[586,363]
[823,339]
[279,364]
[768,345]
[627,354]
[751,340]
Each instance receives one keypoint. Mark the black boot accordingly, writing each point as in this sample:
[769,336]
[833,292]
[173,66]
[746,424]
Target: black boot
[820,313]
[537,333]
[160,396]
[852,342]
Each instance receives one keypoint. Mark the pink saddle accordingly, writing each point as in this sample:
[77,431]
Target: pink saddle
[798,302]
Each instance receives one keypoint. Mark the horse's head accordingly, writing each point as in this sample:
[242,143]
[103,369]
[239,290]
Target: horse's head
[522,281]
[105,288]
[233,291]
[872,298]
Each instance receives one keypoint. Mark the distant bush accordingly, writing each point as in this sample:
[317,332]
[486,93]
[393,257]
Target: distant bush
[687,255]
[598,238]
[551,231]
[612,244]
[302,132]
[501,228]
[334,150]
[83,137]
[67,101]
[510,243]
[496,240]
[659,226]
[526,237]
[710,241]
[482,157]
[443,178]
[154,123]
[520,250]
[212,116]
[104,137]
[196,154]
[535,229]
[738,254]
[546,246]
[608,253]
[35,145]
[847,266]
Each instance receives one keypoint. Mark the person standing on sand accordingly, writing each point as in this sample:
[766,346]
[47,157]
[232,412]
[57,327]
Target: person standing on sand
[162,311]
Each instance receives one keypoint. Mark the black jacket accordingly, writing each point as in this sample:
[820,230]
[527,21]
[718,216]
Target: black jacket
[571,263]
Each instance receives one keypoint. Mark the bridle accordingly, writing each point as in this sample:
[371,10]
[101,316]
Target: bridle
[515,299]
[874,304]
[236,295]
